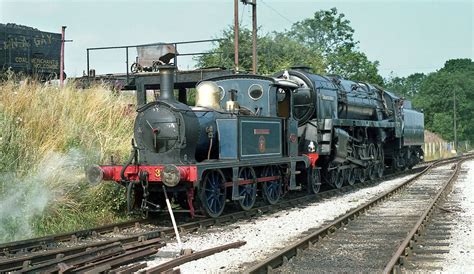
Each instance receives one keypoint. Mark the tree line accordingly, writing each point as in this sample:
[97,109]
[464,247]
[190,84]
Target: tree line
[326,44]
[437,93]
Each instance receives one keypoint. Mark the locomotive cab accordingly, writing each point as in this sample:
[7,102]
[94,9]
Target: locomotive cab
[255,101]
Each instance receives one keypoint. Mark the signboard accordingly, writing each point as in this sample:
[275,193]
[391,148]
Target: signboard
[28,50]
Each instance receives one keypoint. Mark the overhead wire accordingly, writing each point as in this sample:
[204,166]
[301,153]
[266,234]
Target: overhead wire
[276,11]
[242,15]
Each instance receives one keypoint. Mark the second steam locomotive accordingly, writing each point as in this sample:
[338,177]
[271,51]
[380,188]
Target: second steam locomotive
[251,137]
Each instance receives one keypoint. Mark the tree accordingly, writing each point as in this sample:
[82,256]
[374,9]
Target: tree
[407,87]
[324,43]
[327,32]
[223,54]
[278,52]
[275,52]
[458,65]
[331,34]
[353,65]
[436,98]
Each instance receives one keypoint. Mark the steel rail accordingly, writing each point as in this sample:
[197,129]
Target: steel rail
[191,257]
[404,247]
[18,262]
[43,242]
[282,256]
[105,257]
[55,265]
[117,261]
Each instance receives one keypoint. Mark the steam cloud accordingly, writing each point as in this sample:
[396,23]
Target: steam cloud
[23,199]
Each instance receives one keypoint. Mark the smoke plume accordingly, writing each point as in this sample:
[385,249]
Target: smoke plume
[26,197]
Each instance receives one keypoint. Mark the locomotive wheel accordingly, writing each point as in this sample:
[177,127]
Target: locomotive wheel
[155,66]
[341,177]
[371,151]
[135,68]
[357,173]
[213,193]
[336,178]
[398,163]
[249,191]
[351,178]
[362,174]
[272,189]
[379,170]
[370,170]
[371,174]
[134,198]
[315,181]
[346,173]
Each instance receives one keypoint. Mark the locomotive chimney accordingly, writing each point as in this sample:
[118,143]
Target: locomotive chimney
[166,82]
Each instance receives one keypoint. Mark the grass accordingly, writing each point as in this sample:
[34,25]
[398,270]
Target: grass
[47,136]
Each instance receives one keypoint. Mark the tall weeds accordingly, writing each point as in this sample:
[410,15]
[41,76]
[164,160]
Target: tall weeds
[47,136]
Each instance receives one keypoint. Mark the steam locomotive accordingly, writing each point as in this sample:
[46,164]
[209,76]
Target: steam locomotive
[251,137]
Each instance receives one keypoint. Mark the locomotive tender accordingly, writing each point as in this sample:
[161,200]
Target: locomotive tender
[251,136]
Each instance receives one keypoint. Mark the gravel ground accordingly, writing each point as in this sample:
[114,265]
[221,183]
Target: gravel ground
[268,234]
[460,258]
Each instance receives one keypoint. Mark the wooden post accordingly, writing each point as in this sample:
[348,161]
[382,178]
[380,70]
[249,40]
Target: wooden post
[61,63]
[236,35]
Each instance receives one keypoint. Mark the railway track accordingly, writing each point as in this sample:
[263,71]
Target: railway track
[432,246]
[373,237]
[54,241]
[30,253]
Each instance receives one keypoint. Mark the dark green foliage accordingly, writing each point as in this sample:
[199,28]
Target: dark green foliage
[224,51]
[436,97]
[434,93]
[354,65]
[407,87]
[327,31]
[275,52]
[330,33]
[280,52]
[458,65]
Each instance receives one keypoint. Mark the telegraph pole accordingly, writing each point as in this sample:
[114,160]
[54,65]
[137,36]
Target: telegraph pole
[454,118]
[254,36]
[61,57]
[236,35]
[61,62]
[254,32]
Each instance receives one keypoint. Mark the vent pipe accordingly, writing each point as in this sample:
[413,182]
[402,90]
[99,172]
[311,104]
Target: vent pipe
[166,82]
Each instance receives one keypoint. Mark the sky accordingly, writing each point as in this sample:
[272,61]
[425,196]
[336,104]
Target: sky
[404,36]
